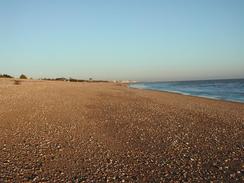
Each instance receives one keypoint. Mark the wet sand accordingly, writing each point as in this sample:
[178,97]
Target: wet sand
[104,132]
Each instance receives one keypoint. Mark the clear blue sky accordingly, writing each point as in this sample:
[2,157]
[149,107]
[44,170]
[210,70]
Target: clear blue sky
[123,39]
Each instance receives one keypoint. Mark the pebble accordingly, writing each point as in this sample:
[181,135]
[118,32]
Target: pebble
[96,132]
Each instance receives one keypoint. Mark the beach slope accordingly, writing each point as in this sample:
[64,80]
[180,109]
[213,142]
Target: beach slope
[98,132]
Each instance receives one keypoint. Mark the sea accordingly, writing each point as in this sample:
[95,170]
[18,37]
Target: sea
[225,89]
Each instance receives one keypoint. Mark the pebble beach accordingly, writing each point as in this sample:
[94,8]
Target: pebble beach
[56,131]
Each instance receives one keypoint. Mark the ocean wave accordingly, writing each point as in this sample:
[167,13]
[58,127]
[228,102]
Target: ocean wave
[229,90]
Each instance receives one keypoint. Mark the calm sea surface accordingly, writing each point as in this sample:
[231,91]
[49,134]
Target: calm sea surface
[229,89]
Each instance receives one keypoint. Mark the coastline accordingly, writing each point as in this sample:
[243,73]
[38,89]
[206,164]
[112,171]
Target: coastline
[217,96]
[63,131]
[188,94]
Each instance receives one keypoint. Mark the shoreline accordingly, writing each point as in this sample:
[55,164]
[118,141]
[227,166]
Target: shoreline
[186,94]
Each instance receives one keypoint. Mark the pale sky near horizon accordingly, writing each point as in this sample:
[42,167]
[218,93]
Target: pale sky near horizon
[123,39]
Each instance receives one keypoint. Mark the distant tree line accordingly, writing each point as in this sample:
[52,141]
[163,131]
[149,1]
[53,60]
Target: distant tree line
[22,76]
[5,76]
[72,80]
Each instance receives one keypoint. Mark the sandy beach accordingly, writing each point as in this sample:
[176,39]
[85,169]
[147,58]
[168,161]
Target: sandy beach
[55,131]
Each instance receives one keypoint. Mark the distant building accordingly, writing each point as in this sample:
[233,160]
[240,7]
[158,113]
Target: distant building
[124,81]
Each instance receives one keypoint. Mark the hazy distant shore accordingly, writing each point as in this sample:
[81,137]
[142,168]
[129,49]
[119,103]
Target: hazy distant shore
[81,131]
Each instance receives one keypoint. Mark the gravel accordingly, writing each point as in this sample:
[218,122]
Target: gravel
[103,132]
